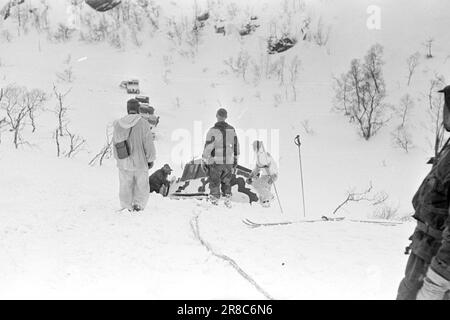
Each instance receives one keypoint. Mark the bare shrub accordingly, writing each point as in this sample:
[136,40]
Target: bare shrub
[34,100]
[412,62]
[61,110]
[400,136]
[106,151]
[365,195]
[360,93]
[307,127]
[76,143]
[294,67]
[20,104]
[239,65]
[63,33]
[6,35]
[321,34]
[386,212]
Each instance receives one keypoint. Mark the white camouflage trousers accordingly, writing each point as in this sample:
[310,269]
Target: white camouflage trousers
[263,188]
[134,188]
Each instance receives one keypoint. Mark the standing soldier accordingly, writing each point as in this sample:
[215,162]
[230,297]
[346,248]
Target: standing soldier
[427,275]
[134,133]
[220,158]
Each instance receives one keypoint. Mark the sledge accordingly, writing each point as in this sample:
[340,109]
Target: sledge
[103,5]
[248,29]
[280,45]
[132,86]
[203,17]
[194,183]
[143,99]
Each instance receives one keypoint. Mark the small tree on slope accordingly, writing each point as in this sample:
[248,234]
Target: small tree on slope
[360,93]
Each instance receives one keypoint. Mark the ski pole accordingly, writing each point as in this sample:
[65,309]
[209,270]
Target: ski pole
[275,188]
[278,197]
[298,144]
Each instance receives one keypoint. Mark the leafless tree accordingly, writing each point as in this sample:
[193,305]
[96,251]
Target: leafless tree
[75,143]
[16,111]
[63,33]
[365,195]
[240,65]
[61,109]
[58,145]
[3,123]
[412,62]
[34,101]
[360,93]
[401,136]
[322,33]
[294,67]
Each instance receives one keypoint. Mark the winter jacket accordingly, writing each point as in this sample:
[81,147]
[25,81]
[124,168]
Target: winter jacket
[431,239]
[222,145]
[140,140]
[265,163]
[158,179]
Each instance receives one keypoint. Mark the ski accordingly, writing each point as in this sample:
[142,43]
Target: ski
[253,224]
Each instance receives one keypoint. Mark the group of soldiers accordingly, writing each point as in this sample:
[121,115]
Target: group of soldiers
[219,160]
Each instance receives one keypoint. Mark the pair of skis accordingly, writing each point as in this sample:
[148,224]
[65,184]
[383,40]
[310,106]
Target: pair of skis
[253,225]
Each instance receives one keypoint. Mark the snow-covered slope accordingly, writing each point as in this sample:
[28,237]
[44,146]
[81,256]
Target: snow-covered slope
[59,228]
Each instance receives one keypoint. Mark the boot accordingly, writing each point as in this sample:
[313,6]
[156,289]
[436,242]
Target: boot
[213,200]
[228,202]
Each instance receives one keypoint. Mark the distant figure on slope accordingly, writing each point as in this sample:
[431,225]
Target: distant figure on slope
[427,274]
[136,160]
[264,174]
[220,158]
[158,180]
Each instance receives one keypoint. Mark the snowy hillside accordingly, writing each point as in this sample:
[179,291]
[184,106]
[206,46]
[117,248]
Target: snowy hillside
[60,234]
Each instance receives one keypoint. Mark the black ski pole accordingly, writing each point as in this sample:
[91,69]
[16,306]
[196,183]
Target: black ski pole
[276,191]
[298,143]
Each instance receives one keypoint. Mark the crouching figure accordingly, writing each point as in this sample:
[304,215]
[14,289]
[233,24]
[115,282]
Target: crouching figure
[264,174]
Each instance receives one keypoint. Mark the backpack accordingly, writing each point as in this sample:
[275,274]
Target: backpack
[123,148]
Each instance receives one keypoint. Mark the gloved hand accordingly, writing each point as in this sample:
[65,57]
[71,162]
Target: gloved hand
[150,165]
[434,286]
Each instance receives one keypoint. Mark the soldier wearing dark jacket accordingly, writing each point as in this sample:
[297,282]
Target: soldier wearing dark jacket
[159,182]
[427,275]
[220,157]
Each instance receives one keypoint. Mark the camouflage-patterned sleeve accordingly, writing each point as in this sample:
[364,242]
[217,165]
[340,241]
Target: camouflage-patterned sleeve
[441,262]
